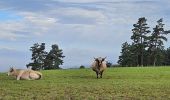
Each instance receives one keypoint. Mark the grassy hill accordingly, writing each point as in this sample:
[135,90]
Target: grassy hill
[81,84]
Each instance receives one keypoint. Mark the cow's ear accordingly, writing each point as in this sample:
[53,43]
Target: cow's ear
[11,69]
[96,59]
[103,58]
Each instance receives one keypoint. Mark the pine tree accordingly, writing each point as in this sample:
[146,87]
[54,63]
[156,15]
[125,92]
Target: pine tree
[54,58]
[38,56]
[167,57]
[139,38]
[156,41]
[146,49]
[127,57]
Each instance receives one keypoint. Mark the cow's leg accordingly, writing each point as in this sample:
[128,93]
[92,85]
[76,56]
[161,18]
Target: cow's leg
[97,74]
[18,77]
[101,73]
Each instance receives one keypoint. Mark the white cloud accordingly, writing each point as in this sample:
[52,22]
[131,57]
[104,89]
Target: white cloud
[73,15]
[93,1]
[79,1]
[28,26]
[10,36]
[38,19]
[8,30]
[7,48]
[37,23]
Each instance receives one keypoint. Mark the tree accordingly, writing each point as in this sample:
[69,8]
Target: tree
[145,49]
[54,58]
[139,38]
[127,57]
[82,67]
[167,57]
[38,56]
[109,64]
[156,41]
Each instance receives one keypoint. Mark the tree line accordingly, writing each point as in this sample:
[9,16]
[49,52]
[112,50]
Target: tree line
[147,47]
[42,59]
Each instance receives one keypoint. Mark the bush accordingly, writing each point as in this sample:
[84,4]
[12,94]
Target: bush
[109,64]
[82,67]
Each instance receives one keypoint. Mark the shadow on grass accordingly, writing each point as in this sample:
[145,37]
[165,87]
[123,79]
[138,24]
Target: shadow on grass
[88,77]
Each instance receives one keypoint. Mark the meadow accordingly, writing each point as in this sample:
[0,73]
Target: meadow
[128,83]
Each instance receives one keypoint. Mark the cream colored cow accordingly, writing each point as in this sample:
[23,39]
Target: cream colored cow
[26,74]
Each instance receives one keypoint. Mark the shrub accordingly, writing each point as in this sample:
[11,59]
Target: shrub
[82,67]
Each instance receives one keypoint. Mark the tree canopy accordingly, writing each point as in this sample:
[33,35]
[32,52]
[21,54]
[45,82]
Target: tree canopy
[42,59]
[147,48]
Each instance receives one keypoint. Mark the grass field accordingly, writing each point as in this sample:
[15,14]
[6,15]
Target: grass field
[141,83]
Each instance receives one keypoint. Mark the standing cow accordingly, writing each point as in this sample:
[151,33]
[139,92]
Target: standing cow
[99,65]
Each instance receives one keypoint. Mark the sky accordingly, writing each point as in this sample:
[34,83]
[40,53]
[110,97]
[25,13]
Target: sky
[83,29]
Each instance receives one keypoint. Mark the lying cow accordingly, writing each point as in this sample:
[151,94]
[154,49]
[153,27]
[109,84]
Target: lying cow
[26,74]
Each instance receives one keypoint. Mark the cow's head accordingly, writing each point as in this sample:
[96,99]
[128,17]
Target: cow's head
[11,71]
[99,60]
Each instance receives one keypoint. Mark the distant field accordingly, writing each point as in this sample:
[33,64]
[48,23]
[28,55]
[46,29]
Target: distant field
[81,84]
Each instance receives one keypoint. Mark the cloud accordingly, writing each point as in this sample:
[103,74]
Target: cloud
[78,1]
[72,15]
[102,1]
[37,24]
[11,30]
[38,19]
[12,57]
[29,24]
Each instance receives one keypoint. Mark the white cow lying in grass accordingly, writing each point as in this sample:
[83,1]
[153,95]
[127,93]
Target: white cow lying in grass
[99,65]
[26,74]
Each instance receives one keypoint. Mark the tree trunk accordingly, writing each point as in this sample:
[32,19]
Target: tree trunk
[154,62]
[142,58]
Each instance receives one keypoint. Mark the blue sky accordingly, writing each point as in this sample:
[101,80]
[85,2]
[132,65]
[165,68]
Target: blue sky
[82,28]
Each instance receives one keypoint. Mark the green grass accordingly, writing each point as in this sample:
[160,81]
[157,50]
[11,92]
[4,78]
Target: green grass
[141,83]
